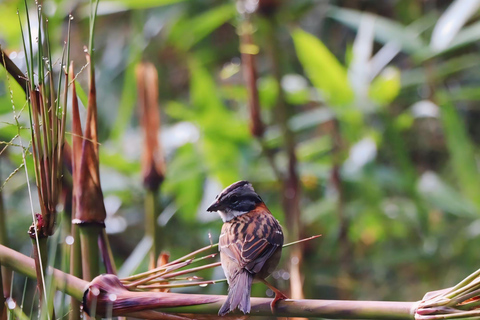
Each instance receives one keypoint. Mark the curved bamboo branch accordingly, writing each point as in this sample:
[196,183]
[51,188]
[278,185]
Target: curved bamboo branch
[18,262]
[152,302]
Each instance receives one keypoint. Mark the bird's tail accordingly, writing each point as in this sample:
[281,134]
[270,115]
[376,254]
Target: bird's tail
[238,293]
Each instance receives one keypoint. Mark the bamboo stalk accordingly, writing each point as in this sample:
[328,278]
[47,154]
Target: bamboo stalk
[75,269]
[90,251]
[152,229]
[41,262]
[330,309]
[3,310]
[210,304]
[20,263]
[106,252]
[5,274]
[75,253]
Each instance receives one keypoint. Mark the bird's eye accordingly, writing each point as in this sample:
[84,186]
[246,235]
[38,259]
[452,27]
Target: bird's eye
[234,199]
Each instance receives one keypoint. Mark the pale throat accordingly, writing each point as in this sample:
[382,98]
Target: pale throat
[229,214]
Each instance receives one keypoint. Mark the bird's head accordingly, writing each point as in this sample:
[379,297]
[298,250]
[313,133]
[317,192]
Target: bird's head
[235,200]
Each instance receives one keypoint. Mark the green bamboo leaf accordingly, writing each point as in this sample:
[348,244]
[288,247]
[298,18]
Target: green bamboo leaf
[445,197]
[141,4]
[451,21]
[223,133]
[466,36]
[386,87]
[128,98]
[323,69]
[81,94]
[385,29]
[188,31]
[461,150]
[184,180]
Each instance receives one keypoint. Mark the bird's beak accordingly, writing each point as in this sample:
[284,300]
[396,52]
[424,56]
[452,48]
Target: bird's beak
[214,206]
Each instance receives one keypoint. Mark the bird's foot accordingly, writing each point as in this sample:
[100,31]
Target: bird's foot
[278,296]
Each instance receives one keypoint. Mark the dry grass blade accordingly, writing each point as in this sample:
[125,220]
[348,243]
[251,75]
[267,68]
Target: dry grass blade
[179,260]
[183,272]
[300,241]
[155,279]
[155,275]
[180,285]
[194,253]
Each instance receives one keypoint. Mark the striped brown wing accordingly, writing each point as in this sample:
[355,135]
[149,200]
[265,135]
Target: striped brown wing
[251,239]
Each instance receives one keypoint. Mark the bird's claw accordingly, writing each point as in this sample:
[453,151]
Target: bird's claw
[278,296]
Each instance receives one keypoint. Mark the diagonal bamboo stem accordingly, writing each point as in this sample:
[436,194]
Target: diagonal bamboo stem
[210,304]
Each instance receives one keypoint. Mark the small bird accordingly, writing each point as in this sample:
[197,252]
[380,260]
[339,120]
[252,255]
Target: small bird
[250,244]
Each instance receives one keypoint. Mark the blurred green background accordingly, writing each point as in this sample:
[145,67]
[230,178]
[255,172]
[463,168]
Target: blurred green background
[385,93]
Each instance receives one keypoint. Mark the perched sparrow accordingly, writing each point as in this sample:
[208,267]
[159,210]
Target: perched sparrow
[250,244]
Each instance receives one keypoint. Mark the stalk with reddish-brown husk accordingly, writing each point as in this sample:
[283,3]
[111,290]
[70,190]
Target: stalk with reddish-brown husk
[153,162]
[75,252]
[89,209]
[89,213]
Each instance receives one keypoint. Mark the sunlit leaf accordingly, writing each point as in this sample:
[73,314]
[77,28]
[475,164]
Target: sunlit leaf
[386,87]
[184,180]
[81,94]
[323,69]
[451,21]
[179,111]
[140,4]
[188,31]
[267,92]
[385,29]
[129,96]
[223,133]
[10,29]
[7,88]
[461,150]
[445,197]
[118,162]
[466,36]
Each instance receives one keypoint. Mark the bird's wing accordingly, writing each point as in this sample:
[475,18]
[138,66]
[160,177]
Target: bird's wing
[251,240]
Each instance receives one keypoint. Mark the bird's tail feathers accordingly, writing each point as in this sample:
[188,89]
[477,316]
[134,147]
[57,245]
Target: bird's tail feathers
[238,293]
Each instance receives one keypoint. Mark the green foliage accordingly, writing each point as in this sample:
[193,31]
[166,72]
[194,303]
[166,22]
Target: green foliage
[188,31]
[462,151]
[223,134]
[386,87]
[385,29]
[324,70]
[185,178]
